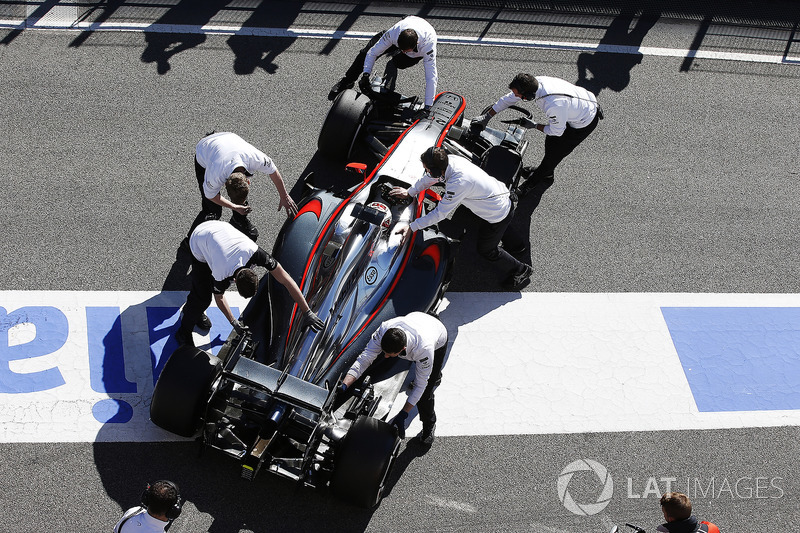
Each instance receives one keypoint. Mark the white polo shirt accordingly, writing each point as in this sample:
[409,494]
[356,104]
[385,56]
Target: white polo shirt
[222,246]
[562,102]
[220,153]
[426,49]
[137,520]
[424,334]
[468,184]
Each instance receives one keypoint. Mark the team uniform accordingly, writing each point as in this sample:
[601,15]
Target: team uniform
[469,185]
[216,158]
[385,42]
[426,344]
[572,114]
[137,520]
[218,251]
[688,525]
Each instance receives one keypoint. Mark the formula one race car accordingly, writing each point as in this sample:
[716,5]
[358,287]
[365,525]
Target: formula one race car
[271,399]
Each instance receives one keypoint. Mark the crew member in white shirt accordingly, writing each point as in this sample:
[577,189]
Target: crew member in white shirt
[161,504]
[221,254]
[222,159]
[572,114]
[409,41]
[469,185]
[416,337]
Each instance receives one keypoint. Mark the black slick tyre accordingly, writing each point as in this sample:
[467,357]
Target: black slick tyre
[342,125]
[363,462]
[183,389]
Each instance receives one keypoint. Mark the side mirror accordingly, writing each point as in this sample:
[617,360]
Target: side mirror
[359,168]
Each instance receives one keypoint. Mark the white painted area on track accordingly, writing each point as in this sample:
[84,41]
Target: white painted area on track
[60,21]
[530,363]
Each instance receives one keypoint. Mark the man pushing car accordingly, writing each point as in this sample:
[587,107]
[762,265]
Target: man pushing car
[416,337]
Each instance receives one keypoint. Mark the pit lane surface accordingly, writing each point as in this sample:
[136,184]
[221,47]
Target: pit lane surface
[688,186]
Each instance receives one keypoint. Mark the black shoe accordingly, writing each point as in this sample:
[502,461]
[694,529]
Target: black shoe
[184,338]
[244,225]
[427,435]
[204,323]
[516,251]
[520,279]
[527,172]
[340,86]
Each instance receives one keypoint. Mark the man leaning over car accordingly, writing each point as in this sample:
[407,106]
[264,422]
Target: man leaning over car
[221,254]
[416,337]
[468,184]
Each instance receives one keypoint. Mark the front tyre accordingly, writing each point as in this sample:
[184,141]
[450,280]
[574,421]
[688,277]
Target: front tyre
[183,389]
[342,125]
[363,462]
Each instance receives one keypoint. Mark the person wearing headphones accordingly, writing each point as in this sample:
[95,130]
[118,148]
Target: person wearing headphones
[221,254]
[224,159]
[468,184]
[677,510]
[161,504]
[572,114]
[408,42]
[417,337]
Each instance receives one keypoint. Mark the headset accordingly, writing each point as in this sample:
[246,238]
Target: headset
[174,511]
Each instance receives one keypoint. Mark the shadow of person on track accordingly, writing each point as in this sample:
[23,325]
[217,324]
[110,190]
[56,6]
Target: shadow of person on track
[606,69]
[161,47]
[253,51]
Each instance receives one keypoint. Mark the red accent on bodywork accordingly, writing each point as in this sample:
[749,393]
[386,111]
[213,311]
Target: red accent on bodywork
[433,194]
[434,252]
[313,206]
[413,235]
[410,244]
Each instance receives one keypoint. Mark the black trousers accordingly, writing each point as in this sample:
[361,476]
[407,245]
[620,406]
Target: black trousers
[399,61]
[425,405]
[491,234]
[200,294]
[213,211]
[557,148]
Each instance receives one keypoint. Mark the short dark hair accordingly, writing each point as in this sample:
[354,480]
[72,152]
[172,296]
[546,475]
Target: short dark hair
[393,341]
[436,159]
[246,282]
[161,496]
[407,40]
[237,188]
[677,505]
[524,83]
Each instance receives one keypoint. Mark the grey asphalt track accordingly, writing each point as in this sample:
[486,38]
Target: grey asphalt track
[688,185]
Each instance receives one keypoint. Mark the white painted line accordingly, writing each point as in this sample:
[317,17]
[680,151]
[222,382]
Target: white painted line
[531,363]
[45,23]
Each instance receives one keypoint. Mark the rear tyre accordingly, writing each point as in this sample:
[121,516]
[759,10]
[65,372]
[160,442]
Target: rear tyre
[183,389]
[342,125]
[364,461]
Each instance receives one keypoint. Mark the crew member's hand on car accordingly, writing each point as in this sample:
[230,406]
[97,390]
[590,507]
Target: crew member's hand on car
[399,421]
[481,120]
[288,204]
[404,232]
[239,326]
[364,84]
[422,113]
[311,320]
[399,192]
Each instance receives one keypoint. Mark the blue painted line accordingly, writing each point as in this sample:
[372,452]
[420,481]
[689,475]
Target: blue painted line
[739,358]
